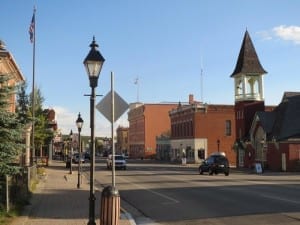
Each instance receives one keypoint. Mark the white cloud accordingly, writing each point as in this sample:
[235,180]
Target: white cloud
[265,35]
[288,33]
[283,32]
[65,119]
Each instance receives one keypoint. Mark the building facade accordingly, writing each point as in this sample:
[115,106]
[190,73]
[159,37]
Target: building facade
[146,122]
[163,147]
[122,144]
[198,129]
[275,136]
[9,67]
[268,136]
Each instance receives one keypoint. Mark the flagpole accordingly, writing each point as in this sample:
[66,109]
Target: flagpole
[33,87]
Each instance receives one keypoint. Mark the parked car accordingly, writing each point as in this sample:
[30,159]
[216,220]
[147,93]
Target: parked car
[75,158]
[120,162]
[214,164]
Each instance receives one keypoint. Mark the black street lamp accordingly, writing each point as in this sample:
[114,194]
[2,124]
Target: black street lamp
[218,143]
[93,64]
[79,123]
[71,150]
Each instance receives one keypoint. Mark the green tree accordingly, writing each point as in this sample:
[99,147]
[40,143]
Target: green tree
[42,133]
[22,107]
[38,101]
[10,130]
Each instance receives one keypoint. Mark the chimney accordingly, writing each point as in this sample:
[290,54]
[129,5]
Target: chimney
[191,99]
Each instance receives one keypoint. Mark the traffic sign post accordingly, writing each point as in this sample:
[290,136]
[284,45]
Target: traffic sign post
[112,106]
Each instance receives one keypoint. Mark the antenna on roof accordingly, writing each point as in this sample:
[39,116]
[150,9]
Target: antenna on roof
[201,79]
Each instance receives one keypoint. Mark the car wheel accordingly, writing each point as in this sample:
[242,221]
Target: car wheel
[125,168]
[226,173]
[200,171]
[210,171]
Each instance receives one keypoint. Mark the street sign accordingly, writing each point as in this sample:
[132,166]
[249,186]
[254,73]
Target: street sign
[105,105]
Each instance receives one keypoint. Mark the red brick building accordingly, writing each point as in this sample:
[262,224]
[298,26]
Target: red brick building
[146,122]
[9,67]
[275,136]
[198,129]
[122,144]
[268,136]
[249,95]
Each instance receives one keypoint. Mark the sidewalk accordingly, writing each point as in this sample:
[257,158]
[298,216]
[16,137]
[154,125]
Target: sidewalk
[58,201]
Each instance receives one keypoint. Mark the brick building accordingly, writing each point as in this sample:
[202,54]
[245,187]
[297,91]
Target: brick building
[146,122]
[266,135]
[198,129]
[122,144]
[275,136]
[9,67]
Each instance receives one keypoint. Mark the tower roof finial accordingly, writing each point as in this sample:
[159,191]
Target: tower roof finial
[248,61]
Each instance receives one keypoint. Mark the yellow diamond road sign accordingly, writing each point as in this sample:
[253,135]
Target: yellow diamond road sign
[105,105]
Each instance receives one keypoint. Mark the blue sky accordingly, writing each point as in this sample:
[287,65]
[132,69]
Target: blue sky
[165,43]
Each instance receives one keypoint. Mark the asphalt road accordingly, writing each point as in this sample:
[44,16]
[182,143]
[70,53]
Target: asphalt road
[172,194]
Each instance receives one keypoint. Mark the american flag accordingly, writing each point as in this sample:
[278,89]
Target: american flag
[31,28]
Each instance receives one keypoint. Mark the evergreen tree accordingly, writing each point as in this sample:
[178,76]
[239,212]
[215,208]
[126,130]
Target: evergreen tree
[22,107]
[10,130]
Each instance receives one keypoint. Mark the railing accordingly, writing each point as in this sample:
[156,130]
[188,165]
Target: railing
[255,96]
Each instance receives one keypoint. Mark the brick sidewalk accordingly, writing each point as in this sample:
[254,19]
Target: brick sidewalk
[57,201]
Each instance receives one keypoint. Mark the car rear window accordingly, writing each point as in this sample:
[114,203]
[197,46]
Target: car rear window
[119,157]
[221,159]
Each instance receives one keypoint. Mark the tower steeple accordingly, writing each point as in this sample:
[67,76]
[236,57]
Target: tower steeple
[248,79]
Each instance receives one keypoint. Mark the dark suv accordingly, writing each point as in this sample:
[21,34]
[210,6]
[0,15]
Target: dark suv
[215,164]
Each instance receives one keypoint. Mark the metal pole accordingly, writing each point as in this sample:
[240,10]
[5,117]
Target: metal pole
[92,166]
[71,156]
[79,162]
[112,130]
[33,90]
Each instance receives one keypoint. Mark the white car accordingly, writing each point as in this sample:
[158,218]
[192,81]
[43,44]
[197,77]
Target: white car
[120,162]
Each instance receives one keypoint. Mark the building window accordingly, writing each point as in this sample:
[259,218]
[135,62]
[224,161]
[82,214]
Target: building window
[228,128]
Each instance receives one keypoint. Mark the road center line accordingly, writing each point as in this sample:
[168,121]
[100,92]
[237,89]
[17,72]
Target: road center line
[280,199]
[171,200]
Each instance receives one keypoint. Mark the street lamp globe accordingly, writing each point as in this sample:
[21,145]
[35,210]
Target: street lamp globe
[79,122]
[93,64]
